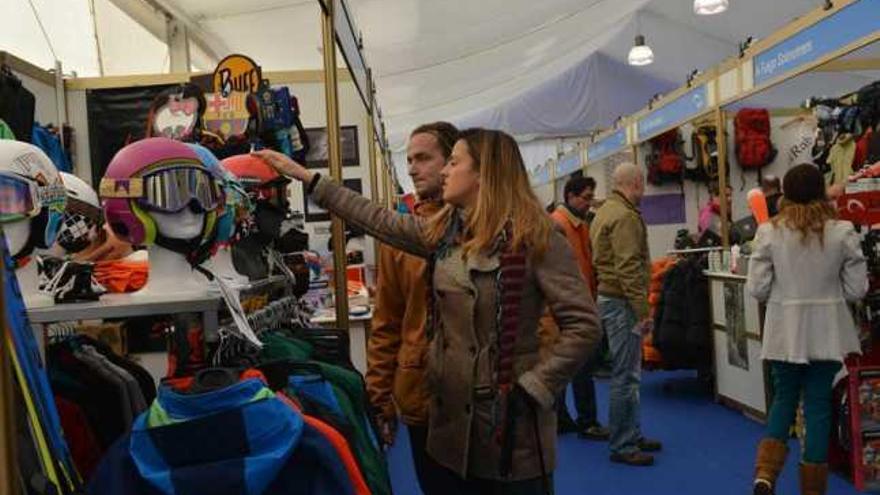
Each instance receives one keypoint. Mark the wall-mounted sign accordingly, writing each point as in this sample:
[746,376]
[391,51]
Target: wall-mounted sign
[569,164]
[607,146]
[177,118]
[237,73]
[319,152]
[226,116]
[852,23]
[676,112]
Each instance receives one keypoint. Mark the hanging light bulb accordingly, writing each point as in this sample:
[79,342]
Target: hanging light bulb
[640,54]
[710,7]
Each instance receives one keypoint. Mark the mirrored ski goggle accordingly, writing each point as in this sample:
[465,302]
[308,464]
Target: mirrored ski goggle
[21,197]
[168,190]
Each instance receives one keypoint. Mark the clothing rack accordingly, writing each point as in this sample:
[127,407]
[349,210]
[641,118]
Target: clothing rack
[278,312]
[60,330]
[235,346]
[695,250]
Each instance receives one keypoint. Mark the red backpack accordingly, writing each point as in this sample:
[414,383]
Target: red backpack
[754,149]
[665,163]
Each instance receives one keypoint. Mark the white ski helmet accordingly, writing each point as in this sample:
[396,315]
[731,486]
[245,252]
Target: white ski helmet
[83,215]
[30,188]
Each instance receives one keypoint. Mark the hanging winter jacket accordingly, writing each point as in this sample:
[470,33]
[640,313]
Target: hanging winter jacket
[333,392]
[682,326]
[238,440]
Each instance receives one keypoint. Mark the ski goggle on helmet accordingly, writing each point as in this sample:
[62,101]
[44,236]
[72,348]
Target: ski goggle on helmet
[238,206]
[157,175]
[31,188]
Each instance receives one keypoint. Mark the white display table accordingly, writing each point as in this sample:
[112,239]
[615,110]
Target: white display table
[741,379]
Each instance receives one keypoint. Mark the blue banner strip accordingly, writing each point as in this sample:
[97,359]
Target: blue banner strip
[568,164]
[542,176]
[607,146]
[678,111]
[850,24]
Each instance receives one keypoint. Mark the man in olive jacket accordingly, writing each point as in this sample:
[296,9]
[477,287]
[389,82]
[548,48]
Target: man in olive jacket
[622,263]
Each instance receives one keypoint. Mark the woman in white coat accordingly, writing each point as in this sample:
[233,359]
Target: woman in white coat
[806,266]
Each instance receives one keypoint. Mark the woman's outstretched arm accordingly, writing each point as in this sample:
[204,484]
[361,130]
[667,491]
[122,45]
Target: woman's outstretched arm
[405,232]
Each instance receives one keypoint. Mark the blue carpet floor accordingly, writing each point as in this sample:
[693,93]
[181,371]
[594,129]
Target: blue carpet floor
[707,449]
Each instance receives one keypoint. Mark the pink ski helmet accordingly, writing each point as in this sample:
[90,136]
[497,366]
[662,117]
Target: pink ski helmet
[157,174]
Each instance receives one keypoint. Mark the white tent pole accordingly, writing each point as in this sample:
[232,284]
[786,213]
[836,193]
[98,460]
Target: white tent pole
[42,28]
[98,51]
[213,45]
[178,46]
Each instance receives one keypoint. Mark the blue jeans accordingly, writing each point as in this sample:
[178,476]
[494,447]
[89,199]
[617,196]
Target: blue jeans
[625,342]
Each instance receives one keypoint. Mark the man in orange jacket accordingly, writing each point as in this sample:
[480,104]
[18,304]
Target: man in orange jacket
[571,217]
[397,345]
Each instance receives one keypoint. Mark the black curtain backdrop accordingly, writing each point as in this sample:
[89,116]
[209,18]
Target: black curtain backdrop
[117,117]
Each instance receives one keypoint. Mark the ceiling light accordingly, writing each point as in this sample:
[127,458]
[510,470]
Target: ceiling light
[710,7]
[640,54]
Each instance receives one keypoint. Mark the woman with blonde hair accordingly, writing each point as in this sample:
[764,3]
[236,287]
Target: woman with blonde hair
[806,266]
[495,260]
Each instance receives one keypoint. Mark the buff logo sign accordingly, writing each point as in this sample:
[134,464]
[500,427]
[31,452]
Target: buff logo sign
[237,73]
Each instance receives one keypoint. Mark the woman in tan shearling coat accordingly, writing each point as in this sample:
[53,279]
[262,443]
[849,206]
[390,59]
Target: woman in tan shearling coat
[497,261]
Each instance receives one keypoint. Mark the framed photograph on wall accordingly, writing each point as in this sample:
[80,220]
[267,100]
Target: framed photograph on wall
[315,213]
[318,156]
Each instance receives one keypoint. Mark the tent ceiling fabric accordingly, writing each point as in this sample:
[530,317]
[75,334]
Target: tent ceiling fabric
[69,28]
[546,68]
[554,67]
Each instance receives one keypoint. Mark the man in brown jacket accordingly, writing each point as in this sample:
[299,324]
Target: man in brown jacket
[622,264]
[397,345]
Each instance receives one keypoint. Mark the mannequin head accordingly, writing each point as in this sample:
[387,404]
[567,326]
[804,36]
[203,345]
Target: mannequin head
[158,176]
[185,224]
[157,192]
[83,217]
[32,198]
[266,190]
[17,234]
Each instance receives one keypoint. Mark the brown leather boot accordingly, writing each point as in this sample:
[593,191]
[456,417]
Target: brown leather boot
[768,465]
[814,479]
